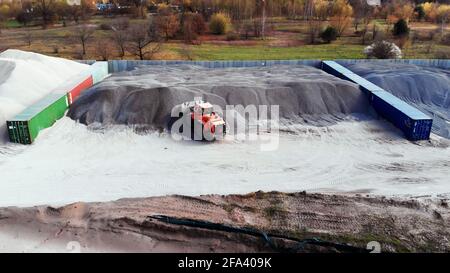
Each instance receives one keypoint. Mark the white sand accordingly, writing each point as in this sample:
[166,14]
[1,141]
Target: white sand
[70,163]
[26,77]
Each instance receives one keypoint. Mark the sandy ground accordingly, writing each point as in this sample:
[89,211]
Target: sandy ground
[70,163]
[130,224]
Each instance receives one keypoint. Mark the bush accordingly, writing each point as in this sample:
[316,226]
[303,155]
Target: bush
[247,29]
[105,26]
[103,49]
[329,34]
[383,50]
[445,40]
[232,36]
[251,28]
[167,21]
[199,23]
[219,24]
[193,25]
[420,12]
[24,17]
[401,28]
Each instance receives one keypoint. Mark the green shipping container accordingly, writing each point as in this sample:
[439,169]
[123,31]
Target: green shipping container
[25,127]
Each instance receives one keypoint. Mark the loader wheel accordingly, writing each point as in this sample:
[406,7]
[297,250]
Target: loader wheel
[208,135]
[194,134]
[221,131]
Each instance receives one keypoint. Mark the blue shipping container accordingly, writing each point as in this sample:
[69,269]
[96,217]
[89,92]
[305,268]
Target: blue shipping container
[341,72]
[414,124]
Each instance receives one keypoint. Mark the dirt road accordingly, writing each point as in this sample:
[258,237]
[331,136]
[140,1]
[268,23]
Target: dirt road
[257,222]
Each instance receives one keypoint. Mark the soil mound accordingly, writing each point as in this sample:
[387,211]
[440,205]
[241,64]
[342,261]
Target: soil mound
[147,95]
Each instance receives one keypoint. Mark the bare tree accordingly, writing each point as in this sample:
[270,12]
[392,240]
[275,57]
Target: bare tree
[75,13]
[363,14]
[46,9]
[443,17]
[28,37]
[103,49]
[144,40]
[2,20]
[263,20]
[62,9]
[87,9]
[120,35]
[315,13]
[341,15]
[83,33]
[167,21]
[139,5]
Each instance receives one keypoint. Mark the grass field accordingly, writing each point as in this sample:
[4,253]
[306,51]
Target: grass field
[12,24]
[226,52]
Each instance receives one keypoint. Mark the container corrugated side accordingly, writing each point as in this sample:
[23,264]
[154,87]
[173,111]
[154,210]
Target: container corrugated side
[415,126]
[75,92]
[25,127]
[344,73]
[334,69]
[75,86]
[49,115]
[18,131]
[99,71]
[364,85]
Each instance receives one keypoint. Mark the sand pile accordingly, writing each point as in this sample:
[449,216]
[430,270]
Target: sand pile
[26,77]
[426,88]
[147,95]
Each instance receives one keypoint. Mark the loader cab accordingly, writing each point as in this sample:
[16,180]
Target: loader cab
[202,108]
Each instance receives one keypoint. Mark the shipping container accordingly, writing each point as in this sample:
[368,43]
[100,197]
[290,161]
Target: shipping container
[364,85]
[334,69]
[82,85]
[344,73]
[25,127]
[414,124]
[99,71]
[75,86]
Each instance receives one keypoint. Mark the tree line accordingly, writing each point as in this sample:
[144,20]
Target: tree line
[238,19]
